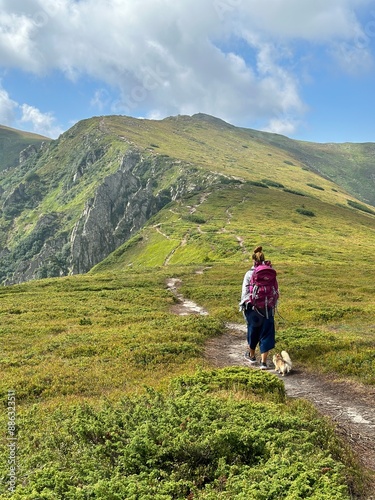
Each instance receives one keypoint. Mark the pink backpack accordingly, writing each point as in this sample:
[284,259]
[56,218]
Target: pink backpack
[264,289]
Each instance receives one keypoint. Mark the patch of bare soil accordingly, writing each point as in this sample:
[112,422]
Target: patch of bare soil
[350,406]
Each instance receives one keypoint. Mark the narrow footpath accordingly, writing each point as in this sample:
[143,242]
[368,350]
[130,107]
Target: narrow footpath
[349,405]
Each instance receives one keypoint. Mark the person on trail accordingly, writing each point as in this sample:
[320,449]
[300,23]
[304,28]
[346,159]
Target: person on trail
[258,302]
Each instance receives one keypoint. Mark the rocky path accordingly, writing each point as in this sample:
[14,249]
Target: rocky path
[349,405]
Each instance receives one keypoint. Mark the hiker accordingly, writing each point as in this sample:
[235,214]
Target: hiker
[258,302]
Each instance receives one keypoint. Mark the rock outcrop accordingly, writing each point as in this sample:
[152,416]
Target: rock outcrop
[121,205]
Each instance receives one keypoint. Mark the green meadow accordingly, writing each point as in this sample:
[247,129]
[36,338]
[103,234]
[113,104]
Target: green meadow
[114,397]
[324,262]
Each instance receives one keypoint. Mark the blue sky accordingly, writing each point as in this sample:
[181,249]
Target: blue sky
[302,68]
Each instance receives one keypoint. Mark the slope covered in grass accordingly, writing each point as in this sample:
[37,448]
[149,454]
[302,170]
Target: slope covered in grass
[12,142]
[91,358]
[83,340]
[324,264]
[350,165]
[92,337]
[49,201]
[72,348]
[213,144]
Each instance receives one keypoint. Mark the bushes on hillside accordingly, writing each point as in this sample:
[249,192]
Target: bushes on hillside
[257,184]
[292,191]
[272,183]
[197,219]
[315,186]
[359,206]
[304,211]
[207,438]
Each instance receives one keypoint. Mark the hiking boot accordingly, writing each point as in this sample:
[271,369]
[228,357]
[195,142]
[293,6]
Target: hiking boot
[263,366]
[250,359]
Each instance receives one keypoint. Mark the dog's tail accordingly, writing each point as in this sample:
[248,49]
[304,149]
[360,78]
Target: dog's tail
[287,359]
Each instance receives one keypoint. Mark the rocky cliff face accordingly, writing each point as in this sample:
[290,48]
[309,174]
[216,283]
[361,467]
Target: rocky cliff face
[121,205]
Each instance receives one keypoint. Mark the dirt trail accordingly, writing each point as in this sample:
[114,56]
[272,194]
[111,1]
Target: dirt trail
[349,405]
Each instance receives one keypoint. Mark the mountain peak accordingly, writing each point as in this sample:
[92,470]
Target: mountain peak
[211,119]
[201,117]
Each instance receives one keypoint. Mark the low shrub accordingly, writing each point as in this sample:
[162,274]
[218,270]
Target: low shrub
[359,206]
[304,211]
[189,442]
[197,219]
[234,378]
[292,191]
[272,183]
[315,186]
[257,184]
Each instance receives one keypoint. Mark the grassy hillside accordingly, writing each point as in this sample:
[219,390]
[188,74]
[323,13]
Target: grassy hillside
[114,396]
[350,165]
[244,153]
[316,256]
[179,154]
[12,142]
[80,351]
[217,145]
[203,142]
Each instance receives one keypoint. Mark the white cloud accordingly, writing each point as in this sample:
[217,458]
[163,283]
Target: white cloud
[354,59]
[8,108]
[312,20]
[42,123]
[168,57]
[101,99]
[285,126]
[14,115]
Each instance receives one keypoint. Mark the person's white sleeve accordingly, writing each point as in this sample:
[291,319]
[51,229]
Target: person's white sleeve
[245,296]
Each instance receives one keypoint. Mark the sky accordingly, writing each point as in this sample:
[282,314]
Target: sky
[301,68]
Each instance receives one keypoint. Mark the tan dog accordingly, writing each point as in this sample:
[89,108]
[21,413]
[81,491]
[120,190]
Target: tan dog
[282,362]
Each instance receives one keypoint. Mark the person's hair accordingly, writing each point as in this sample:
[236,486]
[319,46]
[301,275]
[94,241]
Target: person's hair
[258,255]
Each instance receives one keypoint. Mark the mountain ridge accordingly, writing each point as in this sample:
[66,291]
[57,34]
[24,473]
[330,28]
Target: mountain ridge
[322,158]
[76,199]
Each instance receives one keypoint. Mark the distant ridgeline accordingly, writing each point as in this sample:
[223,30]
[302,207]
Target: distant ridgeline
[67,204]
[17,146]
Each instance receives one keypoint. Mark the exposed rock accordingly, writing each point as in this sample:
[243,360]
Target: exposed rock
[15,201]
[121,206]
[25,195]
[85,162]
[16,196]
[26,153]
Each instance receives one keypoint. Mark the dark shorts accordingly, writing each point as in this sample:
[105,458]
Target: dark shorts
[260,330]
